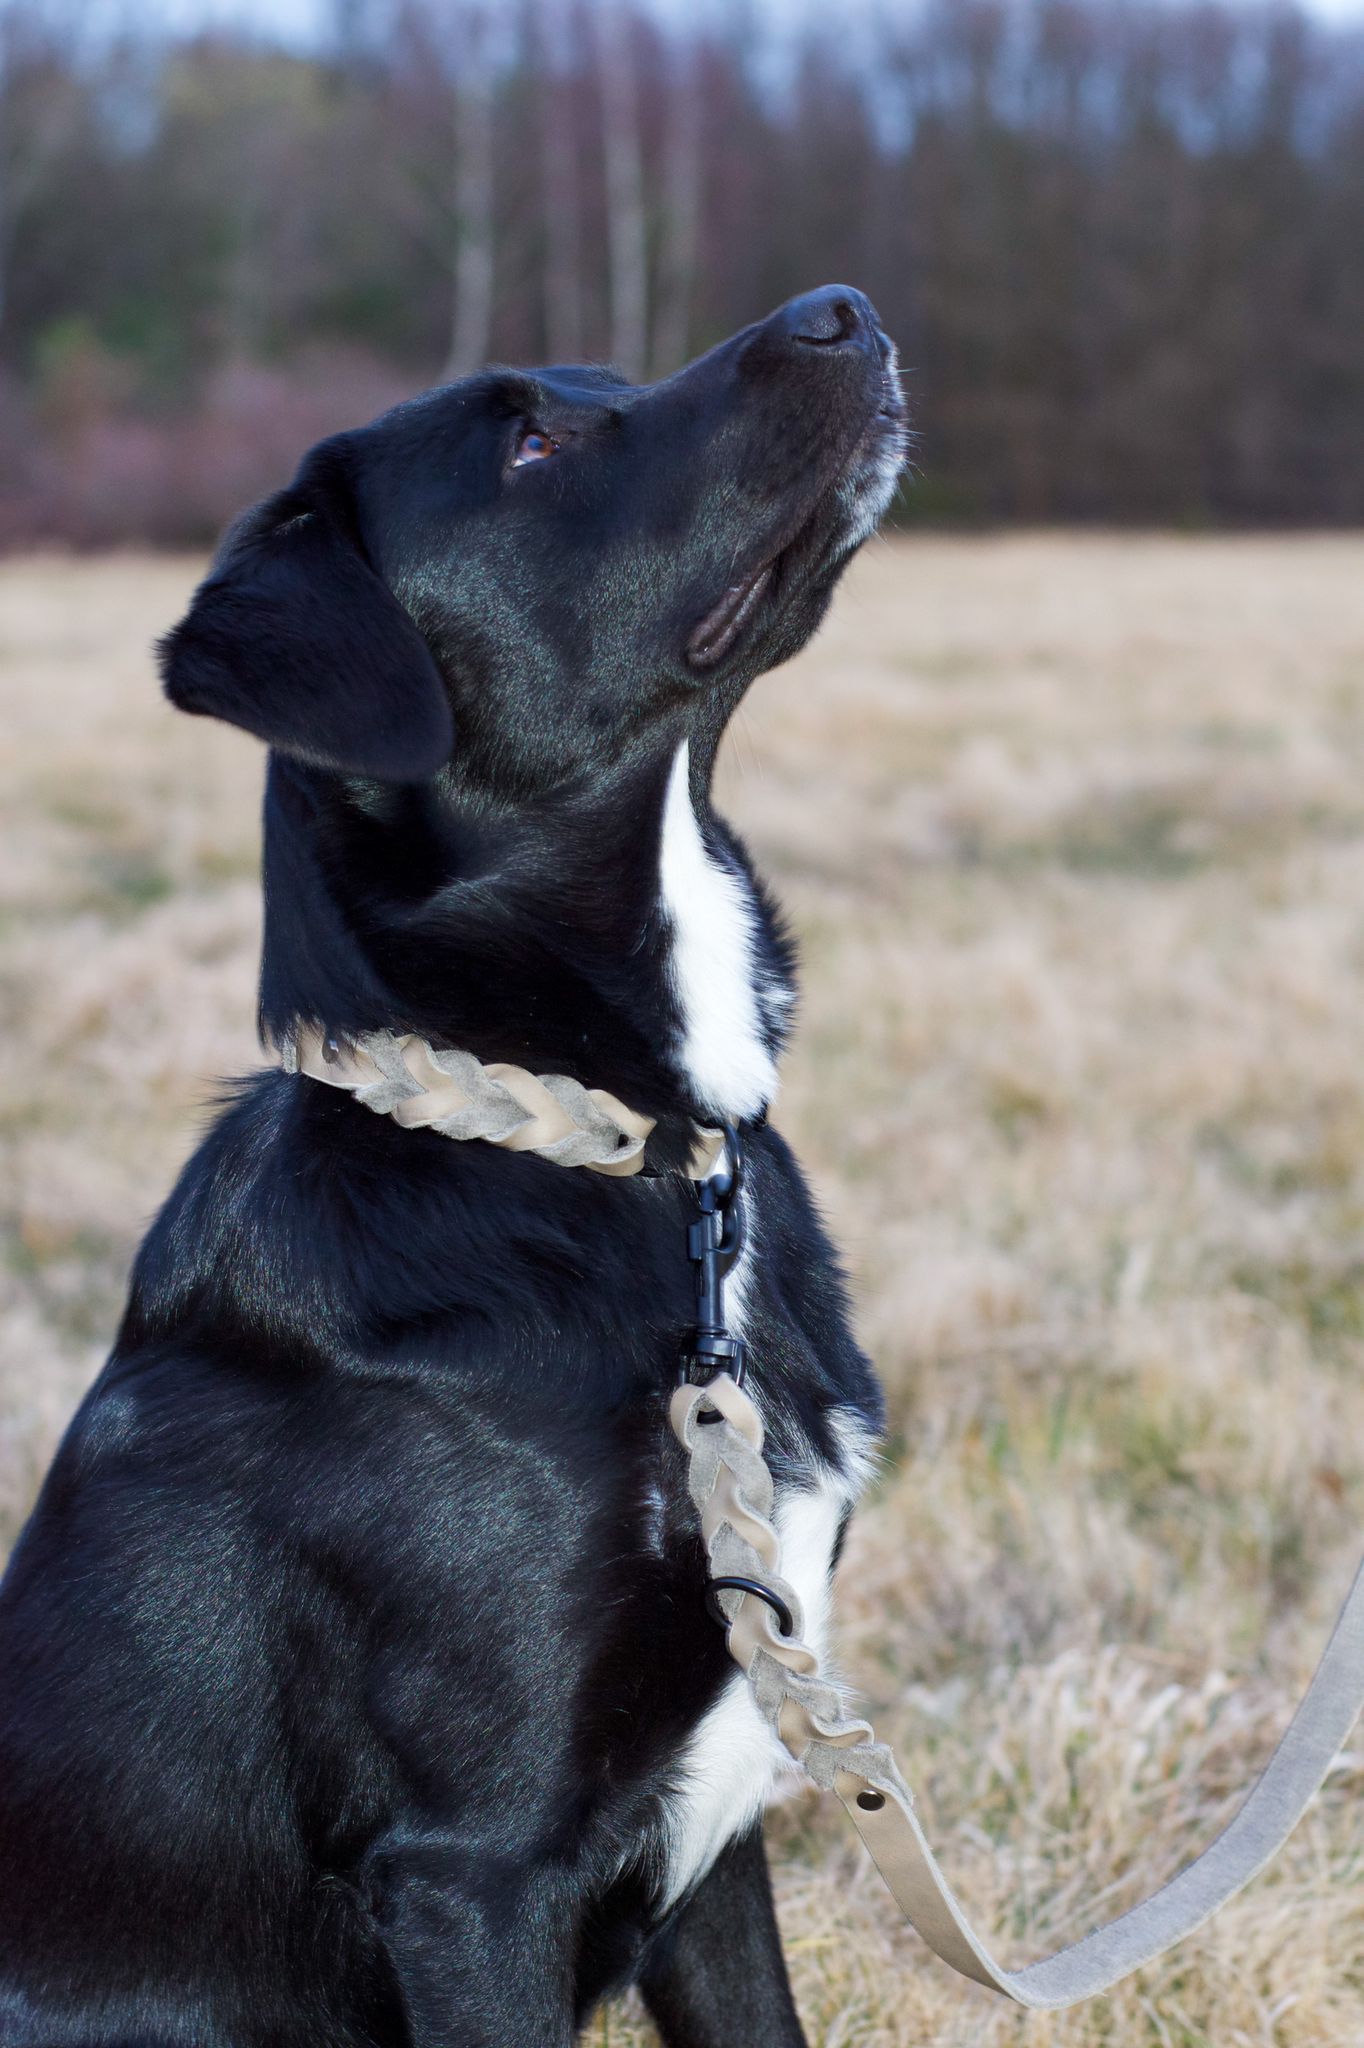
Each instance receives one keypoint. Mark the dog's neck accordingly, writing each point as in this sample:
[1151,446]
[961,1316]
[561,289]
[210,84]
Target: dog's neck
[616,934]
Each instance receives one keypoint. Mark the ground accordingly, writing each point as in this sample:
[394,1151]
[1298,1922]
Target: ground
[1071,832]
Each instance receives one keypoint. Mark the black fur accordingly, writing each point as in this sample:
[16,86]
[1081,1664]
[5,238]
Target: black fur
[348,1658]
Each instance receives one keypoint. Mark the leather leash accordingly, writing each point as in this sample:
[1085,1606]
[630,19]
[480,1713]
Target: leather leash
[721,1432]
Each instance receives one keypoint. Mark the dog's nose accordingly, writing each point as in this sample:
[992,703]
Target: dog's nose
[832,333]
[832,315]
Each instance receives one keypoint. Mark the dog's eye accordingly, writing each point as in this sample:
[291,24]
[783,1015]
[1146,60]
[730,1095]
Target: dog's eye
[534,447]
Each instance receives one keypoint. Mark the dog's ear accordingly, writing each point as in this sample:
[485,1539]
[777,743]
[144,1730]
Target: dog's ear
[293,636]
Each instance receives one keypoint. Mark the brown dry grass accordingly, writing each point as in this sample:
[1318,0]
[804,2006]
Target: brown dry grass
[1071,830]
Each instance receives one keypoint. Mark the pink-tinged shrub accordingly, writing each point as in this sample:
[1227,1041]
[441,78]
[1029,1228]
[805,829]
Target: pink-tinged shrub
[75,469]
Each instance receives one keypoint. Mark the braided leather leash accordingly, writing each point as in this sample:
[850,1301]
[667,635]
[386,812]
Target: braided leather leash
[721,1432]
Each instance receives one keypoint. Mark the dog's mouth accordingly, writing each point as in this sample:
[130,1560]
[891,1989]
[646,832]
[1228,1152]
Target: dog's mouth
[711,640]
[870,470]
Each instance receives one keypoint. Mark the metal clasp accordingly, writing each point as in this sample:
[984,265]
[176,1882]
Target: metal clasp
[714,1242]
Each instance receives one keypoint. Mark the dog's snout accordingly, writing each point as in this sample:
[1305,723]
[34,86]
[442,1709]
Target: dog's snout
[835,325]
[827,317]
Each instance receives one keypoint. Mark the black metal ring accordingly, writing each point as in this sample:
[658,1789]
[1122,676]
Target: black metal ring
[727,1176]
[779,1607]
[725,1181]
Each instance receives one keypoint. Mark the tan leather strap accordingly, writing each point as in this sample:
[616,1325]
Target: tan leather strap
[732,1490]
[458,1096]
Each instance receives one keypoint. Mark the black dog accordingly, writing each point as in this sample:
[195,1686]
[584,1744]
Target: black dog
[356,1685]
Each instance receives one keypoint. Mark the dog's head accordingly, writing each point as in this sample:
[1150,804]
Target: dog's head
[521,577]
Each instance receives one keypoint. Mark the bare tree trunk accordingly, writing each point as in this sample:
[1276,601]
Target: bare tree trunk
[471,328]
[30,139]
[681,211]
[246,274]
[4,198]
[349,20]
[8,158]
[627,246]
[562,199]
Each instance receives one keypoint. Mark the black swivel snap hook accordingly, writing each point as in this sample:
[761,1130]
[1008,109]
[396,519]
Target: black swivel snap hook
[722,1195]
[714,1242]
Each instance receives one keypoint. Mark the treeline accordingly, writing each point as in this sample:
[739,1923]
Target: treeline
[1121,242]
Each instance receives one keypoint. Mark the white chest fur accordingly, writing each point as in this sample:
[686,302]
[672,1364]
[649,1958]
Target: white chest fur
[713,962]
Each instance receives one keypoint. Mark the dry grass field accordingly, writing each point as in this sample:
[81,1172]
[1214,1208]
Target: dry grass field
[1073,834]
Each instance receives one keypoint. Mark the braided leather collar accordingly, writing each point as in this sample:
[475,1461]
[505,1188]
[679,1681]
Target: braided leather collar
[405,1078]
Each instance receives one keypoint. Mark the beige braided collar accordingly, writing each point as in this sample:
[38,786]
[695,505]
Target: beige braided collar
[458,1096]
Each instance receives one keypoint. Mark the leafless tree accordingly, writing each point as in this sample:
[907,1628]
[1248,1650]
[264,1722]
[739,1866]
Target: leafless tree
[37,110]
[473,72]
[681,212]
[563,286]
[625,218]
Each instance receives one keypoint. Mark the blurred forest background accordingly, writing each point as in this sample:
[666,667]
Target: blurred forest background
[1120,242]
[1070,825]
